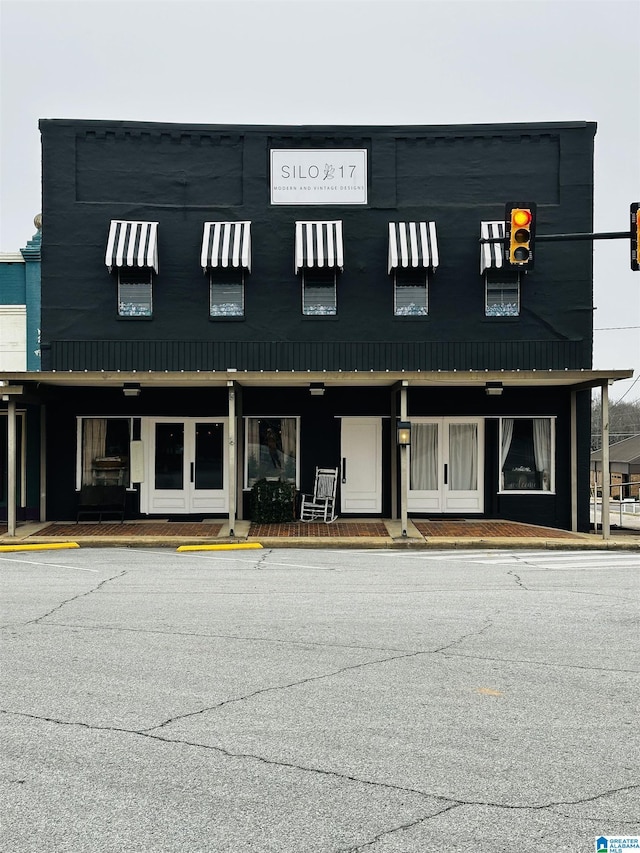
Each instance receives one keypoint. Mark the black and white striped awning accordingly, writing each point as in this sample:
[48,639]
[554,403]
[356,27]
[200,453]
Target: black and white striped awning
[319,245]
[412,244]
[226,244]
[491,254]
[132,244]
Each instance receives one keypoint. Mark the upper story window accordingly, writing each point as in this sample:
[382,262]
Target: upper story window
[413,256]
[226,255]
[319,255]
[501,284]
[502,293]
[132,249]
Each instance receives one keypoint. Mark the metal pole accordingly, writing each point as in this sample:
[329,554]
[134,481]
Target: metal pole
[404,468]
[574,464]
[11,467]
[606,474]
[394,467]
[233,475]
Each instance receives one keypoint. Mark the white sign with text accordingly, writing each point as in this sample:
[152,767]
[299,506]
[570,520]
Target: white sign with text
[319,176]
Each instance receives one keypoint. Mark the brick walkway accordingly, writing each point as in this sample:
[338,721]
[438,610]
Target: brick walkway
[483,529]
[133,528]
[311,528]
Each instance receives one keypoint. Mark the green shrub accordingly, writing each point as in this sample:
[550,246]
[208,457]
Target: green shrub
[272,501]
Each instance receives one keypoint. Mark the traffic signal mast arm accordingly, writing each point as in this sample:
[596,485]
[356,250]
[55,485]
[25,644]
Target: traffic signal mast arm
[605,235]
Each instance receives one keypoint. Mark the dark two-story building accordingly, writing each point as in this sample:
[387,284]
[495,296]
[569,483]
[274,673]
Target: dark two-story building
[224,304]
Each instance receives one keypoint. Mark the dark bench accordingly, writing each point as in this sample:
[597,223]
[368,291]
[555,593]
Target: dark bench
[102,500]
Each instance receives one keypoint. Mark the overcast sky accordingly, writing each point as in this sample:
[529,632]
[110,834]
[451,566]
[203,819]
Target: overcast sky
[339,62]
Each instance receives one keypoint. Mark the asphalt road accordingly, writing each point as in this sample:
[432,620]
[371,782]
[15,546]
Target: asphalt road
[318,701]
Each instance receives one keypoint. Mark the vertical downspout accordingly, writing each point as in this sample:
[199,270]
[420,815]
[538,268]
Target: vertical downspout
[606,473]
[233,468]
[574,463]
[11,467]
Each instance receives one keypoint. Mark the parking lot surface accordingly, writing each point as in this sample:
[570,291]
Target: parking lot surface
[318,701]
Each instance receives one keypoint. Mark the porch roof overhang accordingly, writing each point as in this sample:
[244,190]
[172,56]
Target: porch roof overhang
[577,380]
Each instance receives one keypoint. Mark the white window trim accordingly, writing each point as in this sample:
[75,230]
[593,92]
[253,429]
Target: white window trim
[552,482]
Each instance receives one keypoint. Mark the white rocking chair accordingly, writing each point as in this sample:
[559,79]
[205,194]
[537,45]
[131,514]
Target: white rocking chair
[320,506]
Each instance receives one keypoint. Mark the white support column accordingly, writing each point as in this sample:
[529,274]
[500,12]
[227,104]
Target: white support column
[574,464]
[606,473]
[12,478]
[394,456]
[232,480]
[404,466]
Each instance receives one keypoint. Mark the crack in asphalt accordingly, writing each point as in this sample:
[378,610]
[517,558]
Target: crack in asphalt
[401,828]
[275,688]
[517,579]
[451,801]
[551,664]
[65,602]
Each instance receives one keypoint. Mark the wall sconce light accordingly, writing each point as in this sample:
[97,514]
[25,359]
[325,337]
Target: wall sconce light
[316,389]
[131,389]
[404,433]
[493,389]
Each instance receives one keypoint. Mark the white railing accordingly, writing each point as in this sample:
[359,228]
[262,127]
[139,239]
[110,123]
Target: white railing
[618,503]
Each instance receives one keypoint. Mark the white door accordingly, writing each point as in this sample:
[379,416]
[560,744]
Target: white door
[185,466]
[361,465]
[446,465]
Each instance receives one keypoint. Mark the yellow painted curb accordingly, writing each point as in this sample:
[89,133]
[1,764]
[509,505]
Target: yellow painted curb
[49,546]
[239,546]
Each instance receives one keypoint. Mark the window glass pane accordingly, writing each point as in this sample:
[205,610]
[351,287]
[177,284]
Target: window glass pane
[502,296]
[105,451]
[134,293]
[319,292]
[226,294]
[271,449]
[463,457]
[208,463]
[527,454]
[169,462]
[424,457]
[411,295]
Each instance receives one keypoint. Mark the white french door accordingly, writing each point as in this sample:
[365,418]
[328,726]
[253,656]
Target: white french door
[446,465]
[185,466]
[361,465]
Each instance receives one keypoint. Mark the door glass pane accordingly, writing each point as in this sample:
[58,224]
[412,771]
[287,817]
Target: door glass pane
[463,457]
[209,456]
[169,464]
[424,457]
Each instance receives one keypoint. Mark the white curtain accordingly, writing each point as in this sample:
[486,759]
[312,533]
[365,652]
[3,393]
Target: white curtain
[542,449]
[507,436]
[424,457]
[463,457]
[288,437]
[94,439]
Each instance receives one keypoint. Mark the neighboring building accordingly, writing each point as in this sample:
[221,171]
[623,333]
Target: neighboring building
[20,351]
[222,304]
[624,465]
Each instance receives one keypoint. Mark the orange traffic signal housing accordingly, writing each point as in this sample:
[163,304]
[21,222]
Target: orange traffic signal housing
[520,222]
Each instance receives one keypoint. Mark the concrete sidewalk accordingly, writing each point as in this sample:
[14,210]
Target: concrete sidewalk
[343,533]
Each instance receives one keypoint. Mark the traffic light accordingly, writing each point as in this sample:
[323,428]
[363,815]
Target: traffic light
[520,231]
[635,236]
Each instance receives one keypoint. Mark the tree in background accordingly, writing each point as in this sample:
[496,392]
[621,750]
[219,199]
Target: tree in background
[624,421]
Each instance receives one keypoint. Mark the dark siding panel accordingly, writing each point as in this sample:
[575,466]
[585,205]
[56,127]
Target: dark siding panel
[290,355]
